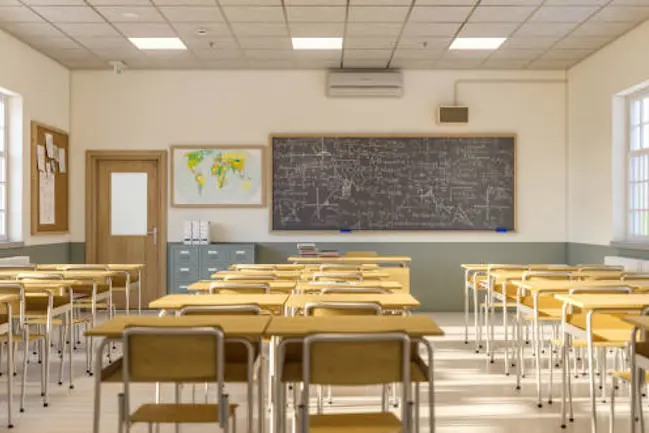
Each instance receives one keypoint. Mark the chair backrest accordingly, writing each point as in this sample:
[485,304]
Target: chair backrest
[85,268]
[356,360]
[340,267]
[38,276]
[259,277]
[353,290]
[10,267]
[635,276]
[174,355]
[336,276]
[602,289]
[546,275]
[255,267]
[18,306]
[599,272]
[361,254]
[241,288]
[492,268]
[324,308]
[218,310]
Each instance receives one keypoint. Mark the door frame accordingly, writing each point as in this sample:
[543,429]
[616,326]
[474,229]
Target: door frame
[93,158]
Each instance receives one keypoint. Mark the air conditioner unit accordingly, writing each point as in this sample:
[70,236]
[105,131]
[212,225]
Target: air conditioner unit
[365,83]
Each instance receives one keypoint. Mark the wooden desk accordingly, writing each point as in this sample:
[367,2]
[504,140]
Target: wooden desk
[591,304]
[357,260]
[276,266]
[639,361]
[283,286]
[177,302]
[316,286]
[557,286]
[280,275]
[366,274]
[6,328]
[397,301]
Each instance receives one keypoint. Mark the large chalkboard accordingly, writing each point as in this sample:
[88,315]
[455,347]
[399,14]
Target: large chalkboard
[393,183]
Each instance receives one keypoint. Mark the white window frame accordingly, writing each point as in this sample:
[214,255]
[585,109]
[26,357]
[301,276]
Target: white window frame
[631,235]
[4,158]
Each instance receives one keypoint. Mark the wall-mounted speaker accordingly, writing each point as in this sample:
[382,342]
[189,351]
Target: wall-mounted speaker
[453,115]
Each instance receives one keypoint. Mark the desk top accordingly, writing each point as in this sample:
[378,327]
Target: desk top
[397,300]
[532,267]
[319,285]
[281,275]
[275,285]
[369,274]
[415,326]
[233,326]
[74,274]
[351,259]
[176,302]
[607,301]
[639,321]
[111,266]
[566,285]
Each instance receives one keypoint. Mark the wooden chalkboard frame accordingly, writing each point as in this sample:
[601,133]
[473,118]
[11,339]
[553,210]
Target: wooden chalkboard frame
[62,190]
[513,136]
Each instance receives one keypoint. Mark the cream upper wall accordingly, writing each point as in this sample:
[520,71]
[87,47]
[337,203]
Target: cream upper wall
[592,85]
[44,86]
[152,110]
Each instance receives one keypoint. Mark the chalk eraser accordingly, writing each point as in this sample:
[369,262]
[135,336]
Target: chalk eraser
[501,230]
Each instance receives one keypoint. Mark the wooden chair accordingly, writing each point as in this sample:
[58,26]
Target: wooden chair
[254,267]
[337,276]
[240,288]
[603,272]
[10,313]
[256,277]
[174,355]
[353,290]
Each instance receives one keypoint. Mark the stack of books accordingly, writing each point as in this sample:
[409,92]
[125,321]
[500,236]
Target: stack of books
[307,250]
[329,253]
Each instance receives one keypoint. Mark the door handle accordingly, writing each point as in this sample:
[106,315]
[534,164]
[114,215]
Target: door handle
[154,232]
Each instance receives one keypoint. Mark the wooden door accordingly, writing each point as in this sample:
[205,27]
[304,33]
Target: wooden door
[129,200]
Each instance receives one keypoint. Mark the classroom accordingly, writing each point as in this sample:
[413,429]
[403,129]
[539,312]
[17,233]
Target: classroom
[324,216]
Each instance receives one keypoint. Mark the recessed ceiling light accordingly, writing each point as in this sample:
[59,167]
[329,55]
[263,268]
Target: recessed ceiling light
[317,43]
[158,43]
[130,15]
[201,31]
[476,43]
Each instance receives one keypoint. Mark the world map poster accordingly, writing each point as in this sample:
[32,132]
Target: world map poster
[217,176]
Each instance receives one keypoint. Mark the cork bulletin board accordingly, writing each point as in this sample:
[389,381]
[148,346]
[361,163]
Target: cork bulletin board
[49,179]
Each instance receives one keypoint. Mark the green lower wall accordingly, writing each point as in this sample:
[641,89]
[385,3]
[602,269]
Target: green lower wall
[436,277]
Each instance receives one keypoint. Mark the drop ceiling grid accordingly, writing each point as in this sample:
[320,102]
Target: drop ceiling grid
[87,34]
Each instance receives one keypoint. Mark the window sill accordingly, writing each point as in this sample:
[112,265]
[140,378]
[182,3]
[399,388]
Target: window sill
[630,245]
[7,245]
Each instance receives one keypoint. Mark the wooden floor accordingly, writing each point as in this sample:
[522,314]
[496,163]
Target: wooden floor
[472,397]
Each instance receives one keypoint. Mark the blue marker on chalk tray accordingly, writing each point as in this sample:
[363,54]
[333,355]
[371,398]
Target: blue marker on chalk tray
[501,230]
[345,231]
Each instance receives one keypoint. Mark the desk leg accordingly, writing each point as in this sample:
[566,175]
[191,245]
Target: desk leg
[519,343]
[591,371]
[96,413]
[634,381]
[537,349]
[476,316]
[504,287]
[93,319]
[260,387]
[10,367]
[139,292]
[431,386]
[467,275]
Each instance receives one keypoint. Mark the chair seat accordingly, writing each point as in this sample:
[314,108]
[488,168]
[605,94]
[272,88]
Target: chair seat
[383,422]
[179,413]
[626,376]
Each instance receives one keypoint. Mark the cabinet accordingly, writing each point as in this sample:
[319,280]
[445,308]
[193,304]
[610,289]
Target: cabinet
[190,263]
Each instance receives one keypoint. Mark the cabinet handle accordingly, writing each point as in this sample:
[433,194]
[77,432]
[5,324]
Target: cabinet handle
[184,253]
[183,287]
[212,253]
[240,253]
[212,269]
[184,269]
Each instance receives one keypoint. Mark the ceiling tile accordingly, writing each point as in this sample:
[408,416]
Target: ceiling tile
[575,2]
[270,43]
[364,63]
[487,30]
[270,64]
[31,29]
[211,44]
[10,3]
[459,63]
[183,2]
[88,29]
[85,64]
[401,54]
[219,54]
[380,2]
[511,2]
[54,2]
[429,43]
[254,14]
[250,2]
[567,14]
[467,54]
[447,2]
[501,14]
[555,54]
[69,14]
[374,29]
[269,54]
[109,43]
[317,63]
[629,3]
[308,2]
[377,13]
[123,54]
[440,14]
[192,14]
[18,14]
[431,29]
[126,3]
[367,54]
[370,43]
[598,28]
[552,64]
[316,13]
[413,64]
[582,42]
[224,64]
[259,29]
[192,29]
[72,53]
[623,14]
[523,42]
[176,64]
[556,30]
[130,14]
[505,64]
[317,30]
[146,30]
[517,54]
[51,43]
[318,55]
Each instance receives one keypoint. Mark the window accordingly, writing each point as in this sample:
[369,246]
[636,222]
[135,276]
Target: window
[4,143]
[638,168]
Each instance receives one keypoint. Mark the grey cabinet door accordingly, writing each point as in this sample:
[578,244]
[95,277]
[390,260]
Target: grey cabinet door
[241,253]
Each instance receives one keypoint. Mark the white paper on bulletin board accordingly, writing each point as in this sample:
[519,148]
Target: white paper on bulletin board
[46,198]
